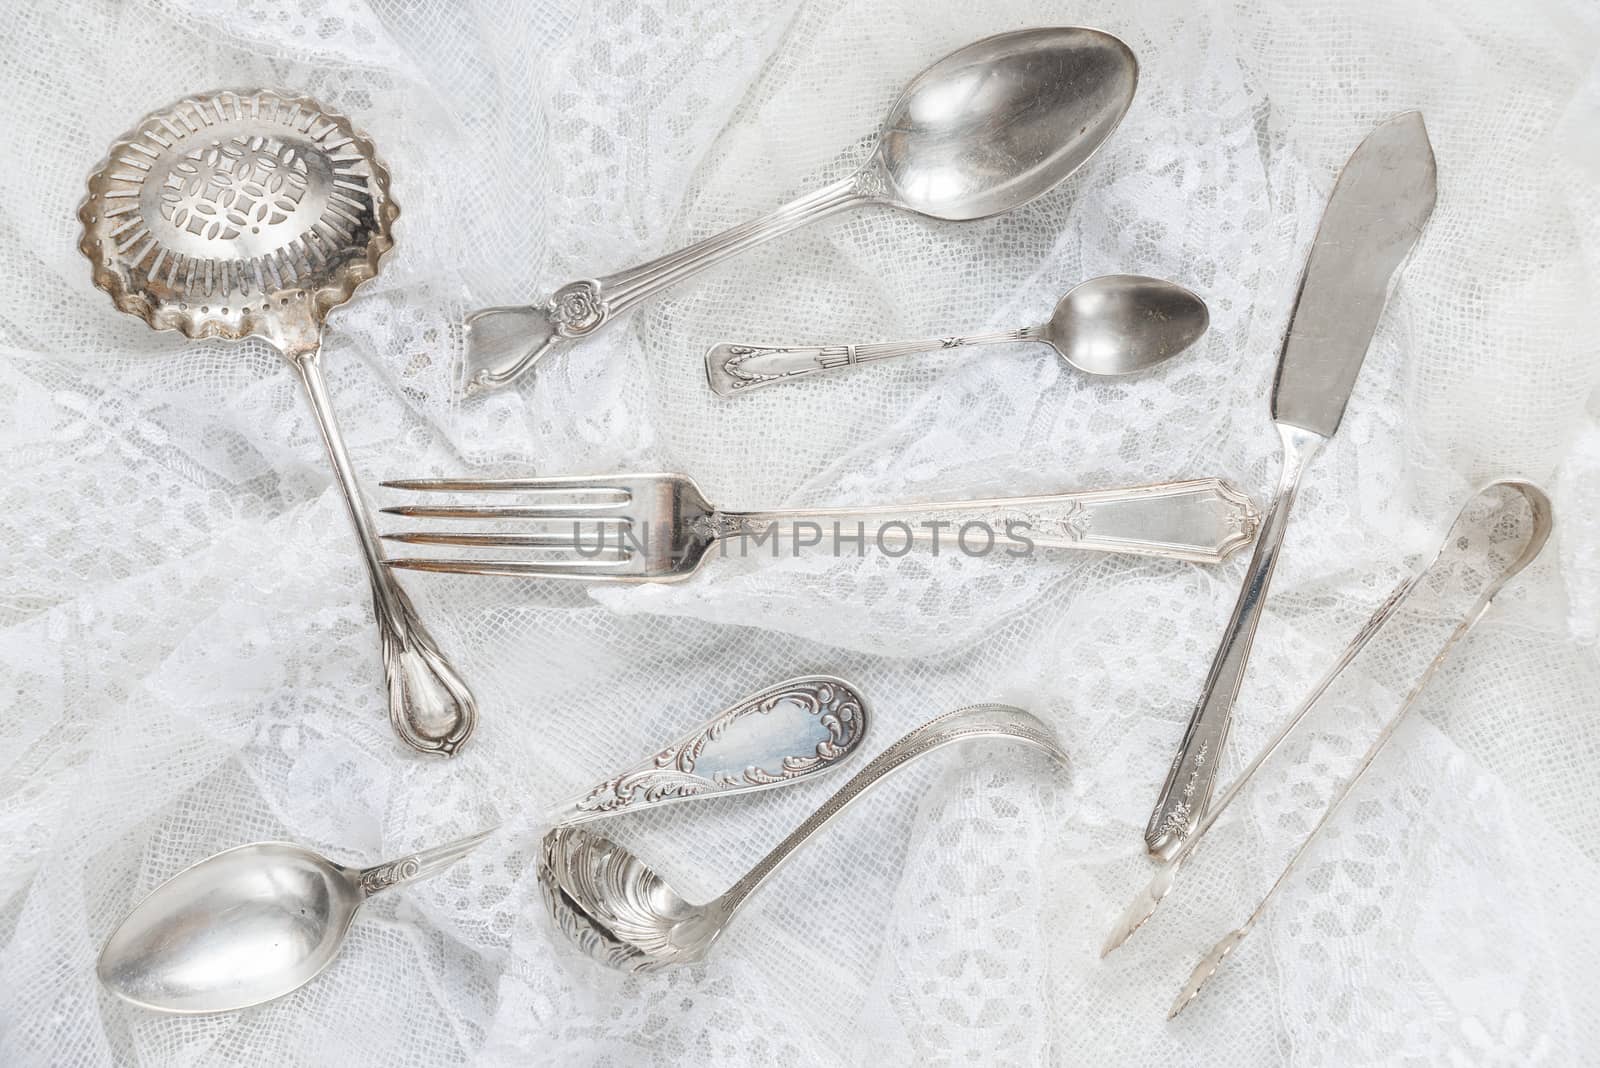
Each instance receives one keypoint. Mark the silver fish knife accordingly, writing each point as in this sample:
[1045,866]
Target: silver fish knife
[1379,205]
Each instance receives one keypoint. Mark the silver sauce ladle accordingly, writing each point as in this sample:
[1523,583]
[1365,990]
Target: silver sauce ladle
[620,912]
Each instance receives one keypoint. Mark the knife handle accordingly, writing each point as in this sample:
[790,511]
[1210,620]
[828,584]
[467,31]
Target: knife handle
[1193,774]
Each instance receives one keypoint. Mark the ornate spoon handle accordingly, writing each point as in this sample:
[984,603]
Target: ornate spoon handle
[738,368]
[504,341]
[418,866]
[431,708]
[1203,519]
[977,721]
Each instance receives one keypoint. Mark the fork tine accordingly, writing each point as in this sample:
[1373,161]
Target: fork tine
[550,513]
[577,569]
[506,541]
[563,484]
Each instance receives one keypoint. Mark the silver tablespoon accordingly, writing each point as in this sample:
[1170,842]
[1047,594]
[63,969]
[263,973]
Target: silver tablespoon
[253,923]
[622,913]
[1116,324]
[984,130]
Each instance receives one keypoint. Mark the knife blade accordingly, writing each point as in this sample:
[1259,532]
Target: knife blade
[1373,220]
[1382,199]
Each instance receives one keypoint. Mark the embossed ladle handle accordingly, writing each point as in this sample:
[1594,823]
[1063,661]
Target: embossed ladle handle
[786,732]
[976,721]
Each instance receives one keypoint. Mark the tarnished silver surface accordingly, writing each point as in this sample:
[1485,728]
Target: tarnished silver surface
[619,911]
[660,528]
[253,213]
[1374,217]
[256,922]
[1116,324]
[986,129]
[1479,528]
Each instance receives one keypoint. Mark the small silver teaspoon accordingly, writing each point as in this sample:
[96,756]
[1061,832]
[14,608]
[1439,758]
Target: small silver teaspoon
[984,130]
[253,923]
[1116,324]
[620,912]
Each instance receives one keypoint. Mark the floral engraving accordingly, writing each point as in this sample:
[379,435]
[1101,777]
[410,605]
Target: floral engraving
[386,875]
[721,525]
[869,181]
[1179,818]
[576,309]
[219,191]
[1074,521]
[671,773]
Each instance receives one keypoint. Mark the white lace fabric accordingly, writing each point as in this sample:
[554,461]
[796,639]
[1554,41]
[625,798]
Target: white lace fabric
[186,642]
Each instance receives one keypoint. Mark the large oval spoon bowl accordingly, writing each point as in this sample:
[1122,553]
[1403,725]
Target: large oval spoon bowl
[1120,324]
[1000,122]
[242,927]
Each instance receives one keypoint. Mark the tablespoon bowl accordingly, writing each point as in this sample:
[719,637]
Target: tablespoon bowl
[259,921]
[1120,324]
[998,123]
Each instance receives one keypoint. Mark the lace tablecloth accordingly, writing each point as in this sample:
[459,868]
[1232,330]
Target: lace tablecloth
[189,662]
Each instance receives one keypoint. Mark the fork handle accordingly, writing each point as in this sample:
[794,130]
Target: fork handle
[732,369]
[1204,520]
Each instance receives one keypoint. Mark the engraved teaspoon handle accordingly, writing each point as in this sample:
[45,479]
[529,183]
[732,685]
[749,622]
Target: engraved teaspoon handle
[732,369]
[502,342]
[977,721]
[431,708]
[1204,520]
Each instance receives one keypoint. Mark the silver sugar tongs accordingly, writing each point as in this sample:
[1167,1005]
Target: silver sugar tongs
[1473,515]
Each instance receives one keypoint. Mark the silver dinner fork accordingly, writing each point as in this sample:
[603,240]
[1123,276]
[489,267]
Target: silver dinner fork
[660,527]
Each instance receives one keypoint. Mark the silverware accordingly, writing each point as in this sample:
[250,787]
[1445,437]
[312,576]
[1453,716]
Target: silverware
[253,213]
[1481,526]
[986,129]
[794,729]
[660,528]
[1471,529]
[1373,219]
[253,923]
[1116,324]
[620,912]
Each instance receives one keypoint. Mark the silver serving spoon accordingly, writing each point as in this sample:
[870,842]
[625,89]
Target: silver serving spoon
[1116,324]
[253,213]
[620,912]
[986,129]
[253,923]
